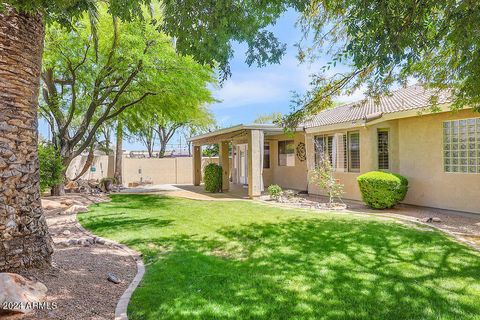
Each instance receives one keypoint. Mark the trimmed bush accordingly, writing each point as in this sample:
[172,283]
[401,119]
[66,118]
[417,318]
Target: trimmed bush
[275,191]
[212,177]
[381,190]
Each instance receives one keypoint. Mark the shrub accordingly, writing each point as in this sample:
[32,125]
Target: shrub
[381,190]
[323,176]
[51,166]
[212,177]
[275,191]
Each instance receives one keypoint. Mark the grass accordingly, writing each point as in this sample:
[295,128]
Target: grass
[242,260]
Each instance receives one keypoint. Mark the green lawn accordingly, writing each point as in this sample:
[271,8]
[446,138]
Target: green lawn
[242,260]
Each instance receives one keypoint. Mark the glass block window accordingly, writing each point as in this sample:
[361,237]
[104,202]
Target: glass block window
[383,156]
[354,151]
[461,145]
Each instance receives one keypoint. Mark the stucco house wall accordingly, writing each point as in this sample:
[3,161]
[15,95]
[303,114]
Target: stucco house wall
[415,151]
[290,177]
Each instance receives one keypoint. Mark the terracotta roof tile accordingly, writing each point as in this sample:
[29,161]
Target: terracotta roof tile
[412,97]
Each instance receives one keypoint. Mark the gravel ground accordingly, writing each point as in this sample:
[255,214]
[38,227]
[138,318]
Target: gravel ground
[77,281]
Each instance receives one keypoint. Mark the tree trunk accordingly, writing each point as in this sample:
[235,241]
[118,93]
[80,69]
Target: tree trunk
[24,238]
[88,162]
[163,148]
[119,153]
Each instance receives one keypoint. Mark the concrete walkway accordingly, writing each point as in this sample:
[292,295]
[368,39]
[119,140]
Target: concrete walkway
[190,192]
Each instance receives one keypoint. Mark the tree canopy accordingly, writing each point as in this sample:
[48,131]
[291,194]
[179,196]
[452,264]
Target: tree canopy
[135,65]
[204,29]
[389,42]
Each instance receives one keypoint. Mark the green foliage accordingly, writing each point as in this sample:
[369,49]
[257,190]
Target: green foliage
[243,260]
[323,176]
[51,166]
[212,177]
[381,190]
[391,42]
[275,191]
[136,73]
[211,150]
[273,117]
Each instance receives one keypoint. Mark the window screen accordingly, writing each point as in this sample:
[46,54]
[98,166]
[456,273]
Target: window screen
[383,156]
[286,153]
[354,151]
[266,155]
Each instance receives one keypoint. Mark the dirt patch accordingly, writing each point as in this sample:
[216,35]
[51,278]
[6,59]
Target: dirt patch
[77,281]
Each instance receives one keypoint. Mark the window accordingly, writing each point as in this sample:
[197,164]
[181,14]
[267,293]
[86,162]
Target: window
[323,147]
[286,153]
[353,151]
[266,155]
[382,143]
[461,145]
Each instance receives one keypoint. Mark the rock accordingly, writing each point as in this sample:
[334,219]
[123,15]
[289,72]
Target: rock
[72,242]
[76,209]
[113,278]
[100,241]
[67,202]
[17,290]
[51,205]
[433,219]
[66,232]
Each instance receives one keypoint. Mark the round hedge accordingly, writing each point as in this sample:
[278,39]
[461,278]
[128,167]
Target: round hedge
[212,177]
[381,190]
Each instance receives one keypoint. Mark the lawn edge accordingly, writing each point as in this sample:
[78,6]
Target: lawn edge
[122,304]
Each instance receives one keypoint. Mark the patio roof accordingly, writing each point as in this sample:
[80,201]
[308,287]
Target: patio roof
[235,131]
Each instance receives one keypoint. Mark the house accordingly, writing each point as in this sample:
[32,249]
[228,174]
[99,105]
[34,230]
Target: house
[439,152]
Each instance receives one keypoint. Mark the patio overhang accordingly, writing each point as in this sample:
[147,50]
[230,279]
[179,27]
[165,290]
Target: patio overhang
[237,132]
[253,135]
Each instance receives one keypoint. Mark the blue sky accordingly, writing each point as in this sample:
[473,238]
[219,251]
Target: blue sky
[252,91]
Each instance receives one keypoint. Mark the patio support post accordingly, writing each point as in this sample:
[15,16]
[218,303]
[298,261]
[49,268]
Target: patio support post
[197,165]
[254,164]
[225,163]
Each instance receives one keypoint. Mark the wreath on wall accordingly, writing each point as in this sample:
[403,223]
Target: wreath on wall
[301,153]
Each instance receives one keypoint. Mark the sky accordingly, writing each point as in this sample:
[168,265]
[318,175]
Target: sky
[252,91]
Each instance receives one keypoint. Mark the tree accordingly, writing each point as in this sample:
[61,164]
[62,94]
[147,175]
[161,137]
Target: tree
[50,166]
[197,24]
[269,118]
[388,42]
[135,66]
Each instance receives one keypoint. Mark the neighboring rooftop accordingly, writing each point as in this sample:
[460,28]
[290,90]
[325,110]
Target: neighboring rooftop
[409,98]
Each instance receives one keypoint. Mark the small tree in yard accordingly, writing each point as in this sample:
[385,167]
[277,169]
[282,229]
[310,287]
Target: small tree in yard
[323,177]
[51,166]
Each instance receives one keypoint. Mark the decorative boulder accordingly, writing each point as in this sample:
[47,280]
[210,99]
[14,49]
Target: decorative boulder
[75,209]
[20,292]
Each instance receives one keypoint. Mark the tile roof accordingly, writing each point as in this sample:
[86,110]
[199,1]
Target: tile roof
[411,97]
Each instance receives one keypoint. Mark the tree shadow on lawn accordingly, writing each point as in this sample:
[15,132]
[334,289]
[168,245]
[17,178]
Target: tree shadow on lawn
[311,269]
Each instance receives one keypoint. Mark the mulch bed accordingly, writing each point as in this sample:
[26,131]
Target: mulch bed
[77,281]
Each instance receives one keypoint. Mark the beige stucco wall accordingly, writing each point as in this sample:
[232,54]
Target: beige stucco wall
[421,161]
[160,171]
[416,152]
[103,164]
[294,177]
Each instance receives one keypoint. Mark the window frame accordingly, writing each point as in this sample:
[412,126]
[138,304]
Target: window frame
[286,142]
[266,146]
[349,152]
[455,157]
[387,131]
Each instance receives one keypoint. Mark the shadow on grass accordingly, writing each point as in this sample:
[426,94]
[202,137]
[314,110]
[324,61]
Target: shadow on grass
[310,269]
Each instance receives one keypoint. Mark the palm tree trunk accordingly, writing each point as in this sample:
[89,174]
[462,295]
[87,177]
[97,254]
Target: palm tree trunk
[119,154]
[24,238]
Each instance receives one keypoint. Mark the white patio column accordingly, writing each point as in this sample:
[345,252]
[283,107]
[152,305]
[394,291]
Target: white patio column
[225,163]
[197,165]
[255,168]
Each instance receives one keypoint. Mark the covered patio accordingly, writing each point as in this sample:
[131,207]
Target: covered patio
[241,155]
